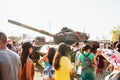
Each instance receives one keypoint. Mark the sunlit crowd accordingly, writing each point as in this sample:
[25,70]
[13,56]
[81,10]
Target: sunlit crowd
[64,62]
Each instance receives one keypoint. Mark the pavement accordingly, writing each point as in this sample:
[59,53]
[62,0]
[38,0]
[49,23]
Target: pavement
[37,75]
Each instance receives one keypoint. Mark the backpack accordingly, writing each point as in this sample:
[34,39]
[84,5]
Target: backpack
[87,62]
[73,54]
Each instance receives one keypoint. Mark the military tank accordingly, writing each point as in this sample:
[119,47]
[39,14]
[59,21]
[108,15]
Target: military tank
[66,35]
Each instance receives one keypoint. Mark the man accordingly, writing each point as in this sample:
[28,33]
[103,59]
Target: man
[14,47]
[75,53]
[100,64]
[86,60]
[9,61]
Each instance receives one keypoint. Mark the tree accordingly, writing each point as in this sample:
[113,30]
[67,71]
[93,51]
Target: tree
[116,33]
[14,38]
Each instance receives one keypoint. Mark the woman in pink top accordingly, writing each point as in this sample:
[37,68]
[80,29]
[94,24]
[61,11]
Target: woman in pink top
[27,68]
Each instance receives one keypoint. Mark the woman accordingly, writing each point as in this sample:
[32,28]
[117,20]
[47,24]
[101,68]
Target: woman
[62,64]
[27,69]
[48,59]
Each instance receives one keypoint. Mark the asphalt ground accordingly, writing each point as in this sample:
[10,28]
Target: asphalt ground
[38,71]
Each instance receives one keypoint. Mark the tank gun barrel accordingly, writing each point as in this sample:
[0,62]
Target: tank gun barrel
[29,27]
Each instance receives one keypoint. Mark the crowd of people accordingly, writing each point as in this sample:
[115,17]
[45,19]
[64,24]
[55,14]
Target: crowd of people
[66,62]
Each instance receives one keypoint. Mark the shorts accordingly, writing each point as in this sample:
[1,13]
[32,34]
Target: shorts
[48,73]
[99,70]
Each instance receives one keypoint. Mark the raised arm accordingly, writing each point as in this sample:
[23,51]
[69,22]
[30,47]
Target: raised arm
[43,59]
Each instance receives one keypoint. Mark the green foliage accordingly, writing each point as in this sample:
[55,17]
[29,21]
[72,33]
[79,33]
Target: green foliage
[14,38]
[116,32]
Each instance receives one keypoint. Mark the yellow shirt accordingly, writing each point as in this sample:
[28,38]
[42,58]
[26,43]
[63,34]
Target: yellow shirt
[64,71]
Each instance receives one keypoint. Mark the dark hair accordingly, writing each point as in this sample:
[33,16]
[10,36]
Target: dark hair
[68,51]
[86,47]
[115,43]
[25,52]
[14,42]
[110,47]
[51,53]
[62,50]
[76,43]
[3,37]
[118,46]
[9,46]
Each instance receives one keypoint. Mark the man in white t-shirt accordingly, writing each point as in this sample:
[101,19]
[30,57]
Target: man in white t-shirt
[76,50]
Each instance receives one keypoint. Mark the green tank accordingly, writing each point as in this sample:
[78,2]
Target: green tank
[69,36]
[65,35]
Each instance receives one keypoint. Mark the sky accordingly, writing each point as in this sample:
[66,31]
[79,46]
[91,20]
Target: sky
[97,17]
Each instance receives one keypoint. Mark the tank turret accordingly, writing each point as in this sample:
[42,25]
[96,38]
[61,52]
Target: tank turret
[65,35]
[69,36]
